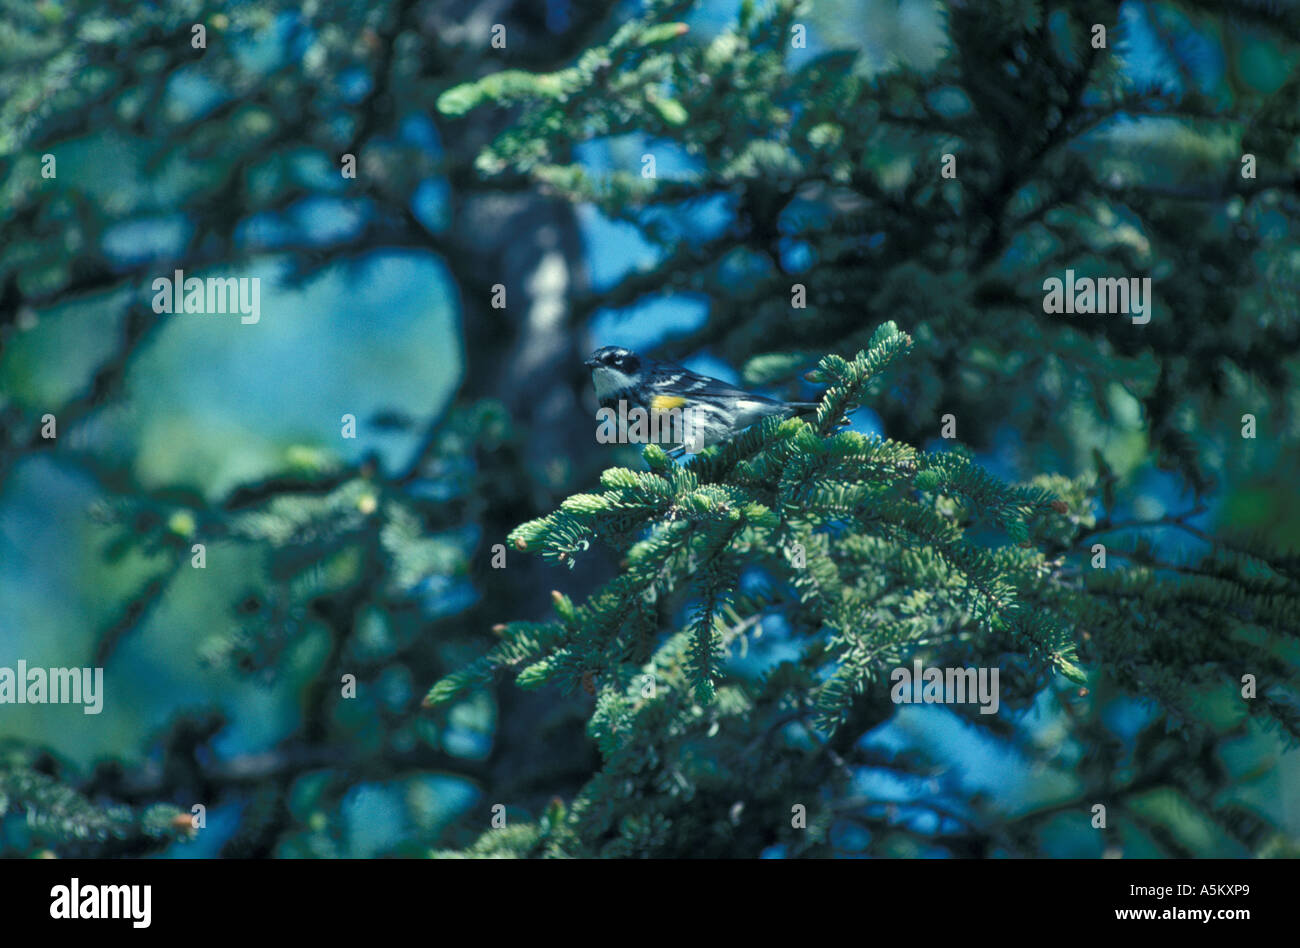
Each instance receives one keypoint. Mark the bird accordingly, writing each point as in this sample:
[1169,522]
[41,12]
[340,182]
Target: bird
[712,410]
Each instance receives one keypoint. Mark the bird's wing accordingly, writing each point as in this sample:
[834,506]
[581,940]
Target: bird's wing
[674,378]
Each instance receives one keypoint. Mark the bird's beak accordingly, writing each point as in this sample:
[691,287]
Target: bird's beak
[591,363]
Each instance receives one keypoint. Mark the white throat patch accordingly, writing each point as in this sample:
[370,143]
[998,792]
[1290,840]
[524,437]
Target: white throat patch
[609,381]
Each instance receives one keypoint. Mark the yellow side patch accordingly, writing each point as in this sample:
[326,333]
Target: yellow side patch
[662,403]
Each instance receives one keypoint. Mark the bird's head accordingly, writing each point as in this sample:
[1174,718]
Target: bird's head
[614,369]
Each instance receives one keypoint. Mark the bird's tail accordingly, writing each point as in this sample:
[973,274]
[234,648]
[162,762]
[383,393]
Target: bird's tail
[807,408]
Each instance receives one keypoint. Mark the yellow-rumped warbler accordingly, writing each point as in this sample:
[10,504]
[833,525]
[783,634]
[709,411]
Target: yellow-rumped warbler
[710,410]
